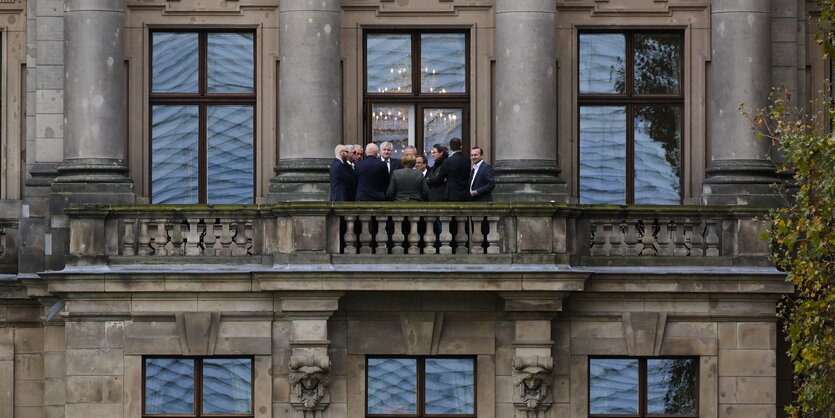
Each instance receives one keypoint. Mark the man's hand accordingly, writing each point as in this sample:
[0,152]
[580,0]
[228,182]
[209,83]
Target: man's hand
[473,193]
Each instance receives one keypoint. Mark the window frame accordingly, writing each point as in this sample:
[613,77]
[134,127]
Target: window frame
[421,383]
[202,99]
[629,99]
[198,387]
[642,386]
[419,100]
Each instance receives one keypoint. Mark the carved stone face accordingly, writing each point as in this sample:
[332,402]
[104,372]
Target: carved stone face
[532,382]
[310,381]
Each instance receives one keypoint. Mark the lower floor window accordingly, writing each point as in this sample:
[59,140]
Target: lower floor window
[421,386]
[197,387]
[640,387]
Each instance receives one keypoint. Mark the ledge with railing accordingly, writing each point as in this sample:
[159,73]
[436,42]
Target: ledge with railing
[441,233]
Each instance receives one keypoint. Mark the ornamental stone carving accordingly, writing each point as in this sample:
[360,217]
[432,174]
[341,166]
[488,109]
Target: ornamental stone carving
[532,381]
[309,380]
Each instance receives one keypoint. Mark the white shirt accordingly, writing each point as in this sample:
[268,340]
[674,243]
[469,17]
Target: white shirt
[475,172]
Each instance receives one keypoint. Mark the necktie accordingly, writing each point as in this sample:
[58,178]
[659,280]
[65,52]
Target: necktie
[388,166]
[472,176]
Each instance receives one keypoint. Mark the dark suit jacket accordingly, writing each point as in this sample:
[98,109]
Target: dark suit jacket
[483,184]
[372,180]
[395,164]
[455,171]
[437,192]
[343,188]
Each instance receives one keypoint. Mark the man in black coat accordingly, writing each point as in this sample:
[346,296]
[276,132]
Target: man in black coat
[482,178]
[372,176]
[454,173]
[343,187]
[392,164]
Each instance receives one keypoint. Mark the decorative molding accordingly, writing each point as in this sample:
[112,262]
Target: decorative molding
[644,332]
[198,332]
[532,381]
[309,380]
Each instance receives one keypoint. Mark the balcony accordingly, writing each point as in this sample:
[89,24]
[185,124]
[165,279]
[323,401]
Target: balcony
[419,246]
[352,233]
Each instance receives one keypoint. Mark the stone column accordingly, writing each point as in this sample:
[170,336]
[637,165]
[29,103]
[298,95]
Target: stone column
[526,102]
[309,98]
[533,360]
[310,363]
[94,168]
[740,172]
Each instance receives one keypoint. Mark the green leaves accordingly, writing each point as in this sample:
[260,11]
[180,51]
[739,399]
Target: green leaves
[802,239]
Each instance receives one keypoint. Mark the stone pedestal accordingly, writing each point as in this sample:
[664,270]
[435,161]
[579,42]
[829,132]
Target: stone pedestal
[94,168]
[310,363]
[533,361]
[526,102]
[740,171]
[310,99]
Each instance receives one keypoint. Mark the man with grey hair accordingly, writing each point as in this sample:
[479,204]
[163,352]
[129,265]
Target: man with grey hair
[342,176]
[385,155]
[372,176]
[354,154]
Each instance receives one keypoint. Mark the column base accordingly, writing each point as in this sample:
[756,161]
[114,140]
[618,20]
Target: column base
[529,181]
[743,182]
[300,180]
[91,181]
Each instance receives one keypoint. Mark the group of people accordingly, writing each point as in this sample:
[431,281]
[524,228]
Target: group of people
[379,177]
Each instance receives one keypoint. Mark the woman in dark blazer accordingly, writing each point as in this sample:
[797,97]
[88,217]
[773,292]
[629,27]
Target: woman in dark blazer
[406,184]
[437,193]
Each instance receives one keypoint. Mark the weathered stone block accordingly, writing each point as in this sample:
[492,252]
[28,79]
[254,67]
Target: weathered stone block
[94,410]
[727,390]
[309,233]
[28,340]
[92,362]
[49,8]
[50,77]
[50,28]
[309,329]
[152,338]
[29,412]
[757,390]
[467,337]
[54,338]
[243,345]
[504,389]
[54,411]
[49,101]
[6,344]
[757,335]
[28,393]
[113,389]
[281,389]
[485,385]
[596,329]
[29,367]
[747,363]
[54,392]
[533,330]
[6,387]
[534,234]
[378,337]
[747,411]
[84,389]
[727,335]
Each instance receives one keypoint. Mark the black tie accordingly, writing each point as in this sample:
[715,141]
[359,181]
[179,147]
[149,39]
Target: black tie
[472,174]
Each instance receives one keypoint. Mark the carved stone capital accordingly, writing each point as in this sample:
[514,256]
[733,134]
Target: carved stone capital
[309,380]
[532,380]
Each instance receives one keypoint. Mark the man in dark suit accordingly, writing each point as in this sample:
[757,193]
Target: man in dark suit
[372,176]
[482,178]
[454,173]
[385,155]
[343,187]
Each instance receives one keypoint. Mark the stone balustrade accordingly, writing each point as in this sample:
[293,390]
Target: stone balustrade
[346,232]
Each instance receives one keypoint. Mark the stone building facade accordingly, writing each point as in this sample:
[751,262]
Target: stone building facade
[167,249]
